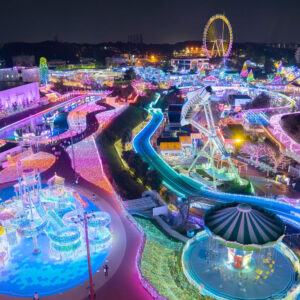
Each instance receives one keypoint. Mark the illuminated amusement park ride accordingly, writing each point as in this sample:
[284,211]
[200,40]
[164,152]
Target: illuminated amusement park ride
[53,211]
[196,100]
[217,37]
[242,256]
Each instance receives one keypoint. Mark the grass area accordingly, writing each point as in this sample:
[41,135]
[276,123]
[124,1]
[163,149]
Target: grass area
[160,264]
[135,131]
[108,141]
[119,147]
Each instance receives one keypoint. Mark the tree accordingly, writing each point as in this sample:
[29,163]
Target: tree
[44,71]
[261,101]
[128,156]
[254,151]
[184,210]
[129,74]
[167,195]
[278,160]
[269,65]
[138,166]
[126,137]
[135,162]
[60,87]
[154,179]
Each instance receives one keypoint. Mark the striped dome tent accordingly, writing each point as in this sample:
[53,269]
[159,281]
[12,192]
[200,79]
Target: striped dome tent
[243,226]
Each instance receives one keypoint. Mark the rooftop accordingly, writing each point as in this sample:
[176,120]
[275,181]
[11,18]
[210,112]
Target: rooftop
[170,146]
[185,139]
[167,140]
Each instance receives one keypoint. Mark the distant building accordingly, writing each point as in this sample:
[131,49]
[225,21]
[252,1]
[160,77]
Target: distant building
[87,60]
[239,100]
[56,62]
[297,55]
[174,113]
[284,45]
[116,61]
[30,75]
[9,75]
[192,51]
[18,95]
[190,63]
[24,60]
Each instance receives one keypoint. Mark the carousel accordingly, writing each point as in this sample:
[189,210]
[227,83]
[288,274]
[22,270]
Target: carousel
[243,229]
[240,255]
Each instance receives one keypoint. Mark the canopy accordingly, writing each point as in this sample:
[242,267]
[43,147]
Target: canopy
[244,226]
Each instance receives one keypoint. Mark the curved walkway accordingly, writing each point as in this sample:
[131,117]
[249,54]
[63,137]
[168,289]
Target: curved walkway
[123,282]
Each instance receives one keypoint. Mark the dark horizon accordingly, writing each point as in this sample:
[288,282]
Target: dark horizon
[145,43]
[160,21]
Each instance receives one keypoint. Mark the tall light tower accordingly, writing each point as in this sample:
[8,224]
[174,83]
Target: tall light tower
[84,221]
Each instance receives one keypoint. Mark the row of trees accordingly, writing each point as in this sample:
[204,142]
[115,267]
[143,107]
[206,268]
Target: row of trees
[141,170]
[255,151]
[261,101]
[126,137]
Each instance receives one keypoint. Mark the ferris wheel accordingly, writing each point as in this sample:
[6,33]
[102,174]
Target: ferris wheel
[217,37]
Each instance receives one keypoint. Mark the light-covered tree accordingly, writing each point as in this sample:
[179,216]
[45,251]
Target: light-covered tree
[278,159]
[44,71]
[254,151]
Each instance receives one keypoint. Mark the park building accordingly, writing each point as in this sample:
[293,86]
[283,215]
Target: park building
[116,61]
[17,74]
[9,74]
[23,60]
[30,74]
[192,51]
[175,147]
[17,96]
[170,148]
[239,100]
[174,113]
[190,63]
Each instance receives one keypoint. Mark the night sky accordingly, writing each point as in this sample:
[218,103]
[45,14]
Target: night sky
[160,21]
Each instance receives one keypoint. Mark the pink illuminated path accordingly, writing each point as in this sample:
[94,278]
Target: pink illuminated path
[123,282]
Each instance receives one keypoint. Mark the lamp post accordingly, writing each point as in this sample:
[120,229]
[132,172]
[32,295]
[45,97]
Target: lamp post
[84,220]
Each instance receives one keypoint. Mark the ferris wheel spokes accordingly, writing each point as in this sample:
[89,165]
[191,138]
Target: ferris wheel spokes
[215,42]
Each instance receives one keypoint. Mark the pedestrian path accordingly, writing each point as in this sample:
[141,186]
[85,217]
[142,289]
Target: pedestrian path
[87,163]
